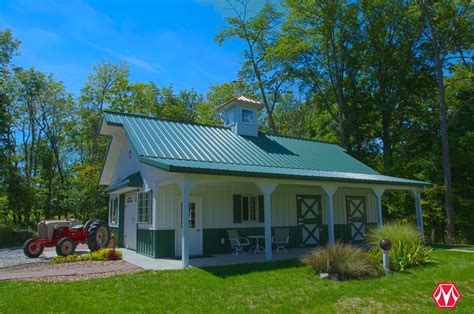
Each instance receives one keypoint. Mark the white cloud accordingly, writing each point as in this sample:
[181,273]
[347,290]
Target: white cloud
[132,60]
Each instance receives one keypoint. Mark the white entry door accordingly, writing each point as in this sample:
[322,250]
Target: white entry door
[130,217]
[195,227]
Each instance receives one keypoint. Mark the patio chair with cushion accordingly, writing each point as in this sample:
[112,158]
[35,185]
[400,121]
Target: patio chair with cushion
[237,243]
[281,239]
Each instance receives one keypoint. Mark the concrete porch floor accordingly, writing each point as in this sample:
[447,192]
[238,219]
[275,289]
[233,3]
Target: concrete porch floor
[146,262]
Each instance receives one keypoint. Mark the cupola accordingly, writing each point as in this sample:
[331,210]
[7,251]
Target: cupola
[240,115]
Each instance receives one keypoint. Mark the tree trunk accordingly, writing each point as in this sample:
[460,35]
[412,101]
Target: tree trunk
[386,138]
[448,188]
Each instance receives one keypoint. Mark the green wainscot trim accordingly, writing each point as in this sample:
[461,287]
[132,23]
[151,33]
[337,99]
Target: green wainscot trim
[155,243]
[343,232]
[212,238]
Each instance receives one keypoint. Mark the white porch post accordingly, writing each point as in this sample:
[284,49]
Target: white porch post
[186,186]
[267,189]
[330,191]
[419,214]
[378,203]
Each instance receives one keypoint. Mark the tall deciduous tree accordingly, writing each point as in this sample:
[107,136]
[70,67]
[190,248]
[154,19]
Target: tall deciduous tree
[259,32]
[448,32]
[107,86]
[8,49]
[395,70]
[326,41]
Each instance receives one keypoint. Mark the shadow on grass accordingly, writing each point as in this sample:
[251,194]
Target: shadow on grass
[243,269]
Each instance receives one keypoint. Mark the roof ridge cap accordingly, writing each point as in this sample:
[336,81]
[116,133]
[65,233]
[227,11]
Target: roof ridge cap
[137,115]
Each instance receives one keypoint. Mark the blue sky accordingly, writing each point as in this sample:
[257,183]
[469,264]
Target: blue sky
[167,42]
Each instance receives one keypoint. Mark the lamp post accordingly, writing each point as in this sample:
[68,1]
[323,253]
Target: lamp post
[386,245]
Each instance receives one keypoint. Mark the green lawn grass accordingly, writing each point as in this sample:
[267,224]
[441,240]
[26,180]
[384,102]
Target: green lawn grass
[453,246]
[283,286]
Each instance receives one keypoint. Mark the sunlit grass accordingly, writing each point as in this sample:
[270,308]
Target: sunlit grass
[283,286]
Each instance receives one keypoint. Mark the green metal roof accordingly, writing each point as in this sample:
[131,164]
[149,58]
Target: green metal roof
[188,147]
[134,180]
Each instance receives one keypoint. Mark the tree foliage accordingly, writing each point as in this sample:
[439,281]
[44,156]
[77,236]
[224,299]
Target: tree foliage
[390,81]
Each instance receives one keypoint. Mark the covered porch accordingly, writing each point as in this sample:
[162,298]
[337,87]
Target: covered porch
[333,202]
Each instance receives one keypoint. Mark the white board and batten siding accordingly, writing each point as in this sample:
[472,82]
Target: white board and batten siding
[128,164]
[217,204]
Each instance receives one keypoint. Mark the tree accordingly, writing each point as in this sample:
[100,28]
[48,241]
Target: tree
[326,43]
[107,86]
[448,33]
[396,74]
[43,114]
[8,49]
[260,67]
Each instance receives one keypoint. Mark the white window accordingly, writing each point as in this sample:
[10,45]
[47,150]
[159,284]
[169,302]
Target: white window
[113,210]
[249,208]
[247,116]
[144,207]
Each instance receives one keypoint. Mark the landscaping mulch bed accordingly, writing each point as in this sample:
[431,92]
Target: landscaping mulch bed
[67,271]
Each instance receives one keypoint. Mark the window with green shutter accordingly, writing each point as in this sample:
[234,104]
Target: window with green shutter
[237,209]
[247,209]
[144,207]
[261,211]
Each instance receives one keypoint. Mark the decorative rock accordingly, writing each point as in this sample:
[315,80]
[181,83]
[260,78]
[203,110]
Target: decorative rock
[324,276]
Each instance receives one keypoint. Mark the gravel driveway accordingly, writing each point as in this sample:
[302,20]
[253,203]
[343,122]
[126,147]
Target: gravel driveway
[14,256]
[67,271]
[15,265]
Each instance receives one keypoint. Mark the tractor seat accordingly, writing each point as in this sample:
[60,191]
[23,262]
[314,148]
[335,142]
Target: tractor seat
[77,227]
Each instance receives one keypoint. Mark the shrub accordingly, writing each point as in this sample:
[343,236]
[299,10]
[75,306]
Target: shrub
[407,245]
[342,261]
[99,255]
[58,259]
[10,237]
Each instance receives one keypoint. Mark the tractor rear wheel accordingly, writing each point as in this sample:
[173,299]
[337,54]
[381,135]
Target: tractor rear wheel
[98,235]
[65,247]
[32,249]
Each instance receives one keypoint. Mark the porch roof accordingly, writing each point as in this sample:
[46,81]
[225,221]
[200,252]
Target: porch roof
[132,181]
[198,148]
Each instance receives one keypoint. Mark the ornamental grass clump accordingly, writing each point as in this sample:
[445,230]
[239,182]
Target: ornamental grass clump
[342,261]
[407,245]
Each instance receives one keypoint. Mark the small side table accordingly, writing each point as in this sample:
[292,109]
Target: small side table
[257,248]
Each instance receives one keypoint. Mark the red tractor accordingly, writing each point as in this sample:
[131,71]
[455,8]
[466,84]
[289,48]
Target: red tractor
[66,234]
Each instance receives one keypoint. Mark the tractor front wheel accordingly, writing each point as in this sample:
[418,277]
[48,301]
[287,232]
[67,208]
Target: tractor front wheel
[65,247]
[98,235]
[32,249]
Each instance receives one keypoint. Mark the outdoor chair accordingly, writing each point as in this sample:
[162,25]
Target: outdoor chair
[237,243]
[281,239]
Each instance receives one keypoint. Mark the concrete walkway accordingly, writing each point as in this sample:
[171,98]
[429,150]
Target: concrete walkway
[146,262]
